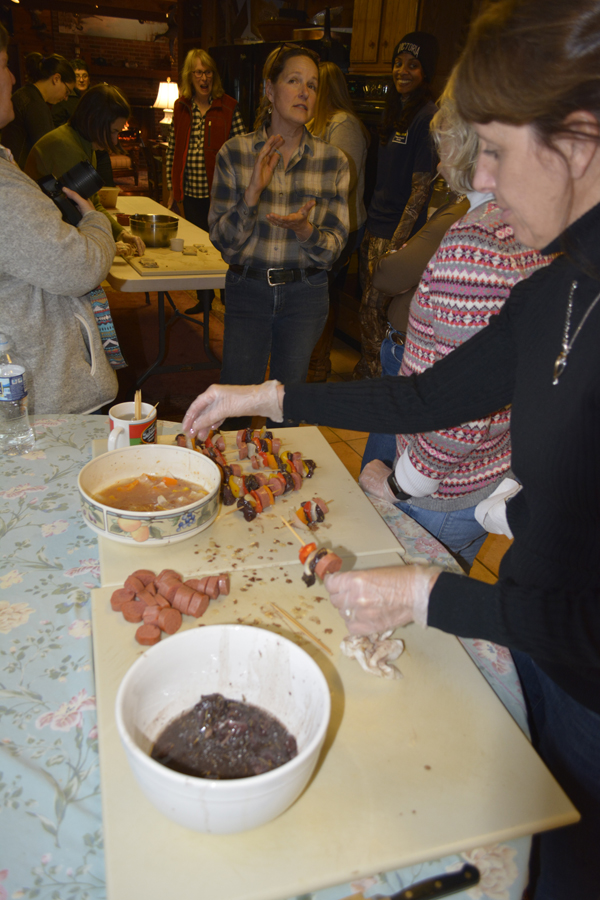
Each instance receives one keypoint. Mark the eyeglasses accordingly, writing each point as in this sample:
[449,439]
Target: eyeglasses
[202,74]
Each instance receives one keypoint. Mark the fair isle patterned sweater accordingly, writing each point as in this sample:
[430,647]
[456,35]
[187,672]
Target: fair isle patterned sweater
[467,281]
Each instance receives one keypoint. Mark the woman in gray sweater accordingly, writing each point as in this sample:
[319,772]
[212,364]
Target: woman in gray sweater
[46,269]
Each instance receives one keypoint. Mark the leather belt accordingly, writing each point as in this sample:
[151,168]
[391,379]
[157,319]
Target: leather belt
[398,337]
[273,277]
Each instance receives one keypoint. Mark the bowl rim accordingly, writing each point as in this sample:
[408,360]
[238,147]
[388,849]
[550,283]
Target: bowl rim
[153,218]
[225,786]
[177,510]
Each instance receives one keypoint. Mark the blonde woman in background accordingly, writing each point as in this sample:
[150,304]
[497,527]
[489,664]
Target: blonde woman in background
[203,119]
[336,123]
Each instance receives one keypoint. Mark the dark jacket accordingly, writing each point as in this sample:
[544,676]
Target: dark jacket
[217,127]
[33,119]
[547,600]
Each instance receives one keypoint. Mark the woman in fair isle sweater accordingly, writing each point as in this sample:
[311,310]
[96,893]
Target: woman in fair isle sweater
[440,477]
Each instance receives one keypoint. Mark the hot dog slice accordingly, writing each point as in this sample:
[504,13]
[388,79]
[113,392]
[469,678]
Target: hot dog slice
[212,587]
[144,575]
[169,620]
[120,597]
[197,584]
[147,635]
[133,610]
[150,615]
[331,562]
[134,584]
[224,584]
[148,598]
[198,605]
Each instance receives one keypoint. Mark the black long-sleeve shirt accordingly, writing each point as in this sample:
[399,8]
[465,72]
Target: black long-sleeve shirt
[547,599]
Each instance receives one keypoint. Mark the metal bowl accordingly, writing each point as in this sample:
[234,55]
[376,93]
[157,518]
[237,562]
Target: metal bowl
[155,231]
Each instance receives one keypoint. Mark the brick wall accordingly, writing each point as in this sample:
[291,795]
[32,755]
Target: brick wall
[38,31]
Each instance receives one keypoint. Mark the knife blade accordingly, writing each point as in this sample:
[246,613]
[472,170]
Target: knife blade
[438,886]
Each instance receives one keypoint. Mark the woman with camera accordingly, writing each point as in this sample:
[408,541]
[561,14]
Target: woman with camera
[51,80]
[96,124]
[47,269]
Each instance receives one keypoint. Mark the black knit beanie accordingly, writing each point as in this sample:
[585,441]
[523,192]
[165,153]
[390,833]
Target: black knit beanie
[423,47]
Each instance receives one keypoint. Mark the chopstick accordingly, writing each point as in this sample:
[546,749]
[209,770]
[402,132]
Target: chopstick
[138,405]
[299,625]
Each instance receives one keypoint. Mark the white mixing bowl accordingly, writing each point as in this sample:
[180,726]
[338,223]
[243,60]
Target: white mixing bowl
[241,663]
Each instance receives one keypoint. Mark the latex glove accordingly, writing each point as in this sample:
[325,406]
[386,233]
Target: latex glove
[220,401]
[373,479]
[375,600]
[137,242]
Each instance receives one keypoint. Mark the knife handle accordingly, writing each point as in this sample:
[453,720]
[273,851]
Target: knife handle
[441,885]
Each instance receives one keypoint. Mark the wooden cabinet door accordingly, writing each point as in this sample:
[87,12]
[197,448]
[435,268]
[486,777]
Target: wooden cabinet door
[399,18]
[365,31]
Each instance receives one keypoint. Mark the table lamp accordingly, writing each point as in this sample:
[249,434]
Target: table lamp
[168,93]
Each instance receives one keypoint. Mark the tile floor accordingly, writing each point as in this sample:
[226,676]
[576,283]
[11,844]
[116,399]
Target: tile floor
[350,445]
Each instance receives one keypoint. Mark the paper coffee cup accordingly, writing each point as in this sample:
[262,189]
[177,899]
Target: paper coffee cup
[177,244]
[125,431]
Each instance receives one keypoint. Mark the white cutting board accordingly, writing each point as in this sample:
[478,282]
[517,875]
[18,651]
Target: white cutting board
[206,261]
[412,770]
[352,527]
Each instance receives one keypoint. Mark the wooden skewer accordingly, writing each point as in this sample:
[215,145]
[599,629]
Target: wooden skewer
[294,532]
[156,404]
[138,405]
[299,625]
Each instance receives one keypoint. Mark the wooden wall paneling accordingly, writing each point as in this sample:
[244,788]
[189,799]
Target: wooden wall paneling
[365,31]
[399,18]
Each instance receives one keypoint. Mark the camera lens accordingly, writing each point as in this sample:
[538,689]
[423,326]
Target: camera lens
[83,179]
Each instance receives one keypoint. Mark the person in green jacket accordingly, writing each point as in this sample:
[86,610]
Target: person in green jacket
[51,80]
[100,117]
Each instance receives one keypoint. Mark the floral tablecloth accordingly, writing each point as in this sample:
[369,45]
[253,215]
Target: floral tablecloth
[50,809]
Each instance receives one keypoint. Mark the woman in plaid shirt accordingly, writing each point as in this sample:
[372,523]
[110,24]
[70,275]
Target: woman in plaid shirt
[279,216]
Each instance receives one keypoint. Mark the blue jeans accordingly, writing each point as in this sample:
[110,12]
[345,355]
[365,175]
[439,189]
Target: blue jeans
[567,737]
[458,530]
[383,446]
[283,322]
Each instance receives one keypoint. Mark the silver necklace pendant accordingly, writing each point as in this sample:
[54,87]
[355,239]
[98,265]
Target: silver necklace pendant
[560,365]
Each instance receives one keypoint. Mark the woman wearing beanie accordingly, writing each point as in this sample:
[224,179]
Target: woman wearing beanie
[405,169]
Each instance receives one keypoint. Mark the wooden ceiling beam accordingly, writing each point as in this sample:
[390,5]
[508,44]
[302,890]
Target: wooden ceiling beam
[136,9]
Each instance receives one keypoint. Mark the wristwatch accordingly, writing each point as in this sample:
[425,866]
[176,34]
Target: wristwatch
[395,488]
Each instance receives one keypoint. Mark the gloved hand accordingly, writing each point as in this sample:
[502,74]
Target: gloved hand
[375,600]
[133,239]
[373,479]
[221,401]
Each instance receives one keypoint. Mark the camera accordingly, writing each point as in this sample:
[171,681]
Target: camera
[82,178]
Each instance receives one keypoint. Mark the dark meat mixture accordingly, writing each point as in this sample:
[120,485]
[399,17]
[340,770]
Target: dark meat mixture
[220,738]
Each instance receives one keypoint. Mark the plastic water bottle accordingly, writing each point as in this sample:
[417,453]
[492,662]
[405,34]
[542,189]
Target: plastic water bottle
[16,434]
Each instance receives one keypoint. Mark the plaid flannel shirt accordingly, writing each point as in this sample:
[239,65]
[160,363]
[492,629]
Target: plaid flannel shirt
[316,171]
[195,182]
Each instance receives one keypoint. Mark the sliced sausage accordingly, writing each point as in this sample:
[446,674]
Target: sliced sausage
[331,562]
[169,620]
[147,635]
[144,575]
[134,584]
[150,615]
[212,587]
[119,597]
[148,598]
[133,610]
[198,605]
[197,584]
[224,584]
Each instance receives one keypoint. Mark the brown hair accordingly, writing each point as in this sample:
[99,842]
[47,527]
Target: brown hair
[96,111]
[272,69]
[41,68]
[187,79]
[532,62]
[332,97]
